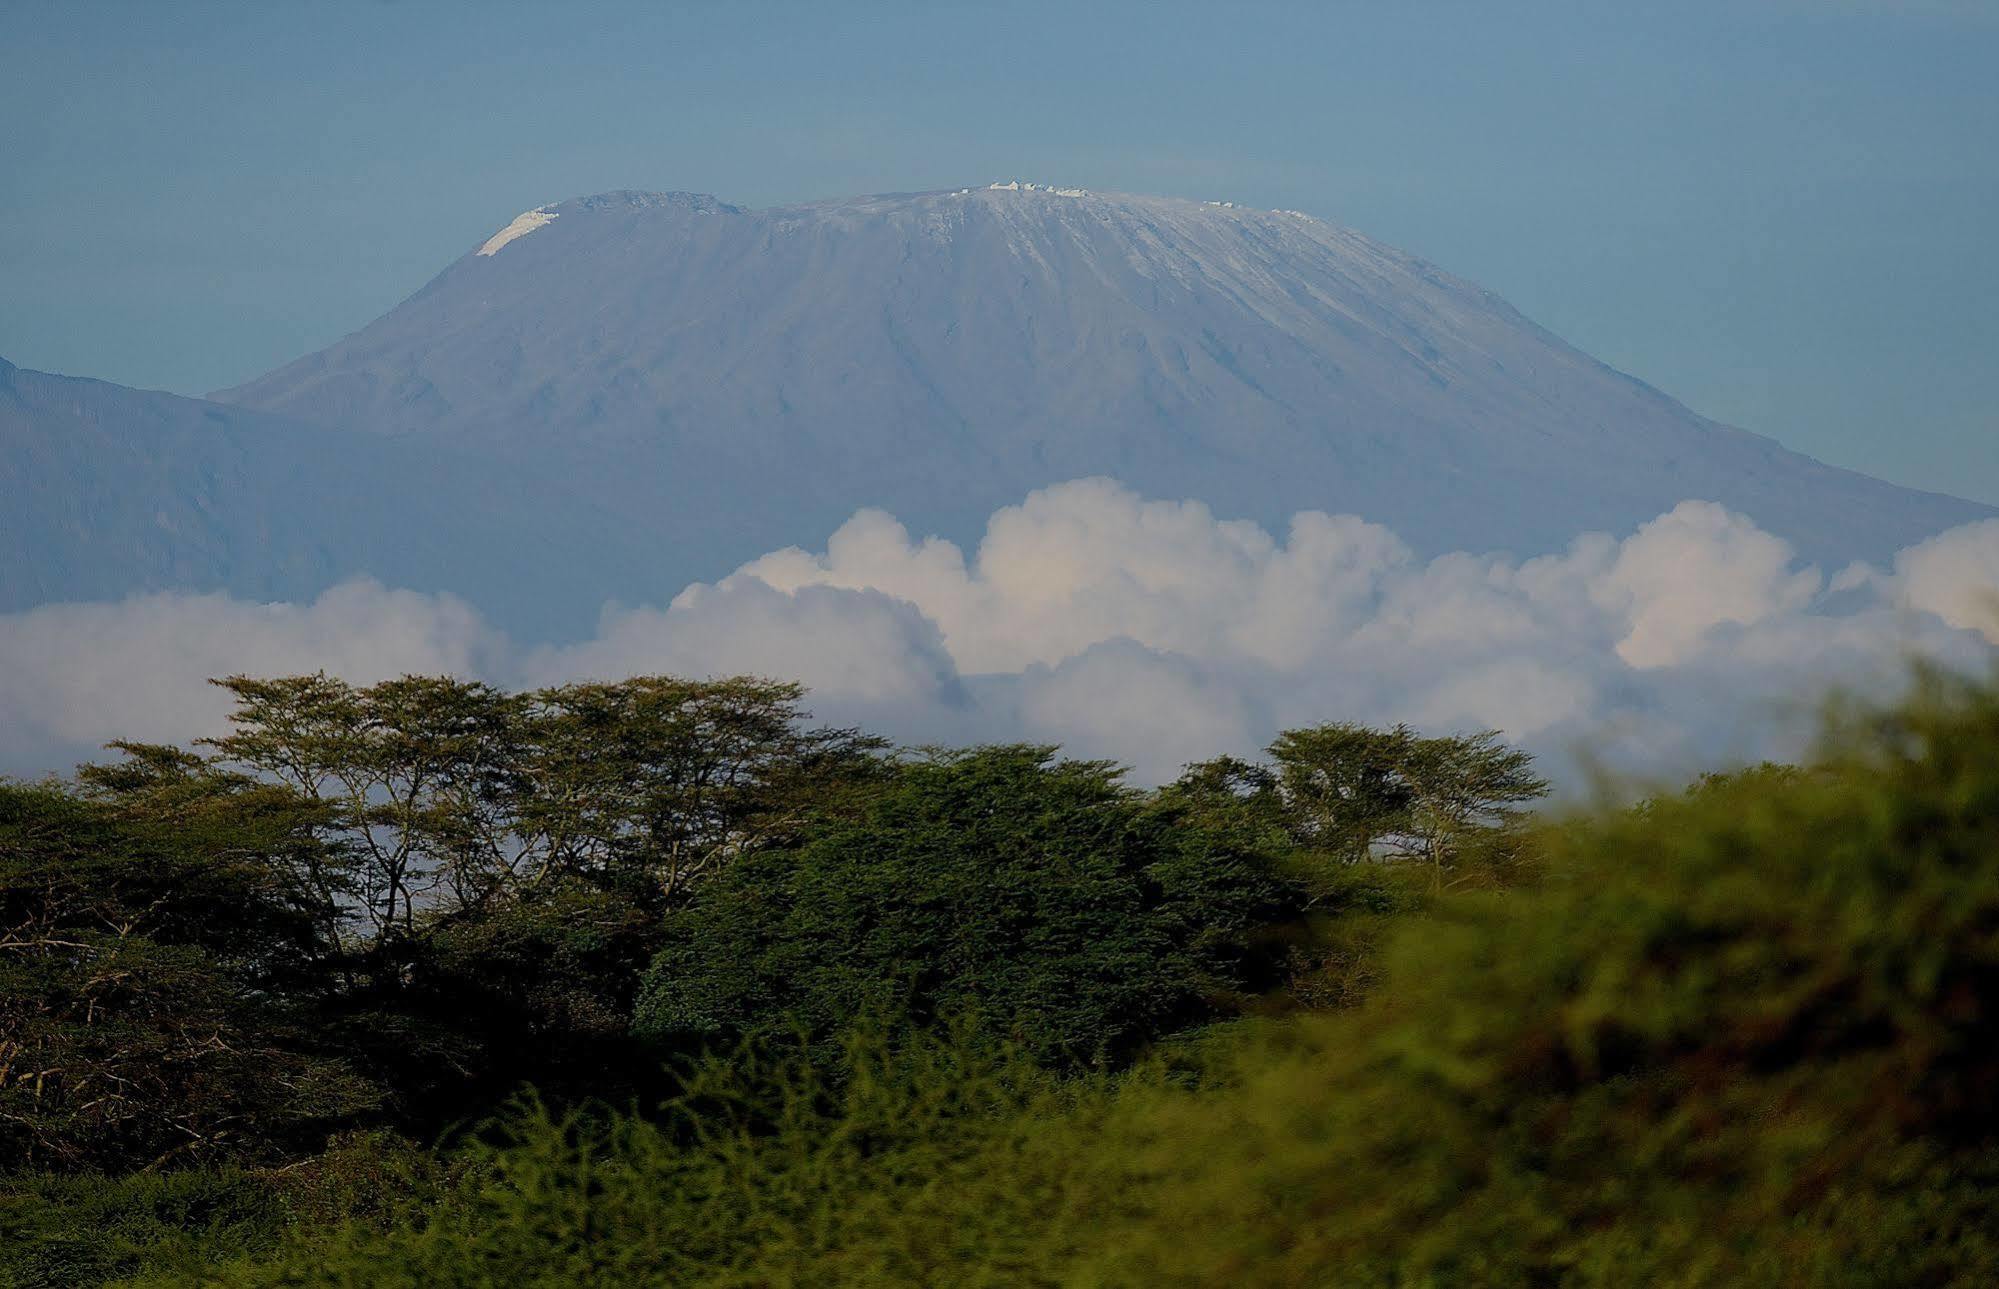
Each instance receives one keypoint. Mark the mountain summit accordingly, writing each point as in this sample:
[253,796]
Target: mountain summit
[739,379]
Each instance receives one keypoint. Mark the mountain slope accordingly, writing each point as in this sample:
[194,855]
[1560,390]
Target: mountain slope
[732,380]
[113,491]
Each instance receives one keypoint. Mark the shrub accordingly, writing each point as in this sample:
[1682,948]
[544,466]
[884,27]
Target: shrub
[766,1172]
[88,1229]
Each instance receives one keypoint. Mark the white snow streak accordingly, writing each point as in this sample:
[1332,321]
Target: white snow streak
[524,223]
[1021,185]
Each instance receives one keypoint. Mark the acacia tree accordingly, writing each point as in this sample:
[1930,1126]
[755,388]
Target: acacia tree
[242,815]
[1462,786]
[1361,793]
[487,872]
[1343,787]
[408,770]
[444,795]
[647,784]
[1070,913]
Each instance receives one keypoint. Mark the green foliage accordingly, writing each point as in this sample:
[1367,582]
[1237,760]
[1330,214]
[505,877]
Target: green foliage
[1043,895]
[1737,1037]
[1742,1035]
[1340,787]
[764,1173]
[143,967]
[1336,950]
[186,1226]
[443,796]
[1336,807]
[473,882]
[403,769]
[1359,794]
[57,1232]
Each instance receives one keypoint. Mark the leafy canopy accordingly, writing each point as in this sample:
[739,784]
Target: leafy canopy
[1044,895]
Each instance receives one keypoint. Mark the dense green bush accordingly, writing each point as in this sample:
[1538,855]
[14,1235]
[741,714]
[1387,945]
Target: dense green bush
[765,1172]
[186,1226]
[57,1232]
[1077,918]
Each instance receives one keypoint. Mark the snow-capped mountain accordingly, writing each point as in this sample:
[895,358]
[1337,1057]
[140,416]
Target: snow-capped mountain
[609,397]
[746,378]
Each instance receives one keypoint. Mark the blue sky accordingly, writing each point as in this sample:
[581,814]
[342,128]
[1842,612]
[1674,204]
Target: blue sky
[1782,213]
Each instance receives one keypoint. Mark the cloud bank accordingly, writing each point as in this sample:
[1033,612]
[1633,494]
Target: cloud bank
[1150,632]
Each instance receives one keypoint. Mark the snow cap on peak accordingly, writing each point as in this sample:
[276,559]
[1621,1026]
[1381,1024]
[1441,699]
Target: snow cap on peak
[1021,185]
[524,223]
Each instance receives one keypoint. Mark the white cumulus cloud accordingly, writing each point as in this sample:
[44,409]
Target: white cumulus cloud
[1955,575]
[73,676]
[1150,632]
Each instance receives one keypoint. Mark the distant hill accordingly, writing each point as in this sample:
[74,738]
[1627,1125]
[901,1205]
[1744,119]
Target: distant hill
[112,491]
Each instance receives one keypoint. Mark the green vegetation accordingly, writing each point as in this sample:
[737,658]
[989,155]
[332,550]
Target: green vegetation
[1072,914]
[648,984]
[147,986]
